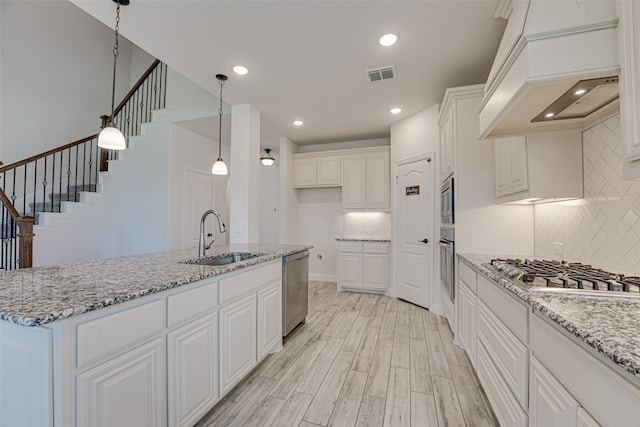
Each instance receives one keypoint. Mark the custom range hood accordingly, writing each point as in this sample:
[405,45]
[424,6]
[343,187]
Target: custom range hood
[556,67]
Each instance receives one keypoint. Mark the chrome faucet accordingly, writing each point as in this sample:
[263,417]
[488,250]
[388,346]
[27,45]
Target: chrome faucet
[201,244]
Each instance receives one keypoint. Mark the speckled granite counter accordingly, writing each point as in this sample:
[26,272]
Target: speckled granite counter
[607,324]
[363,239]
[41,295]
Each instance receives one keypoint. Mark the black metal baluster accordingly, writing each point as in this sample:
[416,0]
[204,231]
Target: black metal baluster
[35,182]
[90,165]
[155,89]
[60,181]
[75,191]
[44,187]
[4,227]
[53,182]
[97,168]
[24,192]
[84,166]
[166,71]
[69,174]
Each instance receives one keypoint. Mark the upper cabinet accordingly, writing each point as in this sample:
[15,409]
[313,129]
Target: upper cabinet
[556,67]
[629,54]
[446,143]
[539,168]
[365,184]
[317,170]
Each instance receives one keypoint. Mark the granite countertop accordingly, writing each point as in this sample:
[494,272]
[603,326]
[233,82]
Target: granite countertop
[363,239]
[606,324]
[40,295]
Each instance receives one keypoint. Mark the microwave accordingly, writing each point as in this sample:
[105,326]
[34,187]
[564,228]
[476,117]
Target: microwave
[446,202]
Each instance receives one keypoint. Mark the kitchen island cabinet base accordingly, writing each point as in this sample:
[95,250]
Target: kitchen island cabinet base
[52,377]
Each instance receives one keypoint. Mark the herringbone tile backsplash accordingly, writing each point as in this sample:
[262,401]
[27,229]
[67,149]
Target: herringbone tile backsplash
[603,228]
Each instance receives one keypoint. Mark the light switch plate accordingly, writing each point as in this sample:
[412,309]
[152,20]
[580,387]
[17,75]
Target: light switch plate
[558,248]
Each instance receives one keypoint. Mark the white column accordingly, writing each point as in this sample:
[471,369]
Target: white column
[288,196]
[244,175]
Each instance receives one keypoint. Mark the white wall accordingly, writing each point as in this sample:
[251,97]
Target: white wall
[270,203]
[289,212]
[56,71]
[321,222]
[602,229]
[416,136]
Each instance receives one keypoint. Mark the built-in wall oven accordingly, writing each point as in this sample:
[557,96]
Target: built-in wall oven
[447,239]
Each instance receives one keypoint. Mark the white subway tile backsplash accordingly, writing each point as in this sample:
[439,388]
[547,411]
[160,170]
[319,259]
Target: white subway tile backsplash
[367,224]
[603,229]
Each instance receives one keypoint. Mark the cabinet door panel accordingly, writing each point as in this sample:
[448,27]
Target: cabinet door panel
[378,181]
[467,315]
[354,183]
[550,404]
[376,271]
[511,165]
[304,172]
[238,341]
[128,390]
[192,360]
[329,171]
[269,319]
[350,270]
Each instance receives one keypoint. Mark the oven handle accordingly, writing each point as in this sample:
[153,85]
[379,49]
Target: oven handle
[446,244]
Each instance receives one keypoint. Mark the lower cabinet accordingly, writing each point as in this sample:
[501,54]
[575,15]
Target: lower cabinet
[363,266]
[269,319]
[192,365]
[467,310]
[128,390]
[550,404]
[238,332]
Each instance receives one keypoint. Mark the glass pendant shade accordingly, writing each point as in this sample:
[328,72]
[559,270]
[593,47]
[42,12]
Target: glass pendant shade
[267,158]
[219,167]
[111,138]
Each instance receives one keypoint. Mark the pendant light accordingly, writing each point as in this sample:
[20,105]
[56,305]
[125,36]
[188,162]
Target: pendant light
[267,158]
[219,168]
[110,136]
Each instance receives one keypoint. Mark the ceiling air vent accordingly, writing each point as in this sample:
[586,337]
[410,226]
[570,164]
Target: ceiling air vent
[382,73]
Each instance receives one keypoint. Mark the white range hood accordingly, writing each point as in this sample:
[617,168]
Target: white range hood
[550,53]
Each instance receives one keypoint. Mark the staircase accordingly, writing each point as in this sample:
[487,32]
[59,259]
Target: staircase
[50,181]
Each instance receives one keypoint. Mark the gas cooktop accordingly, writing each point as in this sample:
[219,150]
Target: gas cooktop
[565,277]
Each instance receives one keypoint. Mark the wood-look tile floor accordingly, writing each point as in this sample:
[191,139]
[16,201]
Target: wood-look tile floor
[360,360]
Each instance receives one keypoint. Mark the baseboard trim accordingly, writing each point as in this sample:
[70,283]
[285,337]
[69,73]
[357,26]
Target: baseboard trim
[317,277]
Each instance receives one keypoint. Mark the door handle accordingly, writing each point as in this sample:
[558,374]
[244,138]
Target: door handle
[423,241]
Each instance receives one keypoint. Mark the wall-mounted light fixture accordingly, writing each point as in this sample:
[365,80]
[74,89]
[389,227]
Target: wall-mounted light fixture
[267,158]
[110,136]
[219,167]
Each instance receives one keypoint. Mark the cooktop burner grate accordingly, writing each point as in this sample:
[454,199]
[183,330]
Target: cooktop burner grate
[560,274]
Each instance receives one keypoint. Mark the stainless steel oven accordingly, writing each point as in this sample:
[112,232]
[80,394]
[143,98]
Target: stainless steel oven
[447,254]
[446,202]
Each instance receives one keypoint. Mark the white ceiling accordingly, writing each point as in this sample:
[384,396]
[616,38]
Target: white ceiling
[306,59]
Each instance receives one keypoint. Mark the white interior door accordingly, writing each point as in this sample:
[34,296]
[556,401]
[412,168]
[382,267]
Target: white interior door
[414,226]
[197,197]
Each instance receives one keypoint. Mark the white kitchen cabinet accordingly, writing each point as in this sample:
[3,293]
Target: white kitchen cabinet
[447,143]
[550,404]
[539,168]
[467,310]
[269,319]
[363,266]
[192,365]
[366,181]
[511,165]
[128,390]
[585,420]
[629,57]
[238,341]
[313,170]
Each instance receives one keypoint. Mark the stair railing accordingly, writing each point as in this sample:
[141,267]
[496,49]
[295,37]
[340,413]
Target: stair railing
[42,182]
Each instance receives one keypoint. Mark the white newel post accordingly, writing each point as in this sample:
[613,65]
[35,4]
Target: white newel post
[245,176]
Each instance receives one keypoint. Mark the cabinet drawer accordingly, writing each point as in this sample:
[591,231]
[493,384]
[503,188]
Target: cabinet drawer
[248,281]
[350,247]
[191,304]
[376,248]
[504,404]
[468,276]
[507,308]
[106,334]
[510,356]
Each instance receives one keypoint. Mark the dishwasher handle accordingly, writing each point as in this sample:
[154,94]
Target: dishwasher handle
[296,257]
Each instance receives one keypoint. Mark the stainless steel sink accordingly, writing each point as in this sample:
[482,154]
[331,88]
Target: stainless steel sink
[224,259]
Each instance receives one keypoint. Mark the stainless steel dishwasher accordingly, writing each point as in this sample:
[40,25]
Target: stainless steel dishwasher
[295,290]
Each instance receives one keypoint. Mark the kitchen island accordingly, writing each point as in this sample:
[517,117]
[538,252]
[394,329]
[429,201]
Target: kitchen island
[549,358]
[140,340]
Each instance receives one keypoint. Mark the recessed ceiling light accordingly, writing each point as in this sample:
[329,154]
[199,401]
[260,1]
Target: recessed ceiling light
[580,92]
[298,122]
[549,115]
[388,40]
[395,110]
[239,69]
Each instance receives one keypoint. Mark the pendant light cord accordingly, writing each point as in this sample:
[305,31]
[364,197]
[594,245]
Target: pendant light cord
[222,81]
[115,61]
